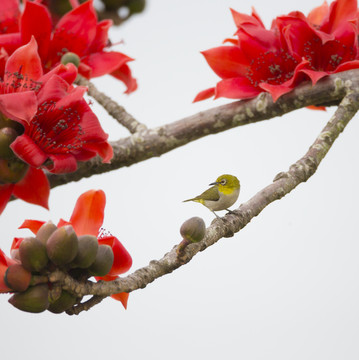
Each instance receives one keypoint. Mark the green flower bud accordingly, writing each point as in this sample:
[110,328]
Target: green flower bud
[17,277]
[64,302]
[87,252]
[12,171]
[33,254]
[70,57]
[193,229]
[7,136]
[103,262]
[34,299]
[62,245]
[45,231]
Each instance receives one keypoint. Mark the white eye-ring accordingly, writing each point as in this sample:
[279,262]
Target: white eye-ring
[223,182]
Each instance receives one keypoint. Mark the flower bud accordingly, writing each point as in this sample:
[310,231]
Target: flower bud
[33,254]
[86,254]
[70,57]
[193,229]
[7,136]
[62,245]
[45,231]
[17,277]
[103,262]
[64,302]
[34,299]
[12,171]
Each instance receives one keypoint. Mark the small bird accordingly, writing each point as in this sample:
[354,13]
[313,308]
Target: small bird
[223,194]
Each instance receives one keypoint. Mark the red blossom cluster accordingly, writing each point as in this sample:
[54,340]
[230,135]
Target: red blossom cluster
[44,119]
[296,48]
[86,219]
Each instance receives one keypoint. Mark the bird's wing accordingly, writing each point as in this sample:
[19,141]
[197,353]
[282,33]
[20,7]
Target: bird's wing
[211,194]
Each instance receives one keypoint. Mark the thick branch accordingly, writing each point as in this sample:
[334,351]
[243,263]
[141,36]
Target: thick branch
[283,183]
[155,142]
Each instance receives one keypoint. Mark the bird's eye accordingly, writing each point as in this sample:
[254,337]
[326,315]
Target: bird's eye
[223,182]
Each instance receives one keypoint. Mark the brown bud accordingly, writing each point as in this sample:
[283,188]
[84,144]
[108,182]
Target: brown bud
[193,229]
[34,299]
[33,254]
[45,231]
[17,277]
[64,302]
[86,254]
[103,262]
[62,245]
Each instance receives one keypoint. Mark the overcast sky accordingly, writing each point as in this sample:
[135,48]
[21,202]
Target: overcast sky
[285,287]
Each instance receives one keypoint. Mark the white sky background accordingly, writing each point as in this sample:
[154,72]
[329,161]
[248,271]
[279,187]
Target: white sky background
[285,287]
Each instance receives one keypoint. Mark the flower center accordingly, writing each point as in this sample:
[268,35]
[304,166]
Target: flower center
[327,57]
[56,130]
[17,82]
[271,67]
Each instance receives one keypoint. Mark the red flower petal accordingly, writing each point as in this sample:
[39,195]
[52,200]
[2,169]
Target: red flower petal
[10,42]
[227,61]
[124,74]
[62,163]
[26,61]
[88,213]
[63,222]
[236,88]
[33,225]
[9,14]
[103,63]
[80,22]
[33,188]
[36,21]
[28,151]
[340,12]
[122,261]
[19,106]
[101,39]
[5,194]
[123,297]
[316,16]
[240,19]
[276,90]
[205,94]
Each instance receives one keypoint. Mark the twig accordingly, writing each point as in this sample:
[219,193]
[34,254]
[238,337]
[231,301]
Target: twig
[85,306]
[114,109]
[283,183]
[155,142]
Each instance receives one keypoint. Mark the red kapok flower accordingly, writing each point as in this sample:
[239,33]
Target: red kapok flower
[57,127]
[78,32]
[294,49]
[258,61]
[87,219]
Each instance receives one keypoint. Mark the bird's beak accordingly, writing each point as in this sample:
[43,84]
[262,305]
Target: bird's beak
[214,183]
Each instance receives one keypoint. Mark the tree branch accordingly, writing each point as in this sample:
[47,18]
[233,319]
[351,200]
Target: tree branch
[155,142]
[115,110]
[283,183]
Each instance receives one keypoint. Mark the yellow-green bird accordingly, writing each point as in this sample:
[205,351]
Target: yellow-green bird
[223,194]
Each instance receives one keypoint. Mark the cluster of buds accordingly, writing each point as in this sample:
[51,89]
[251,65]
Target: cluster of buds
[54,248]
